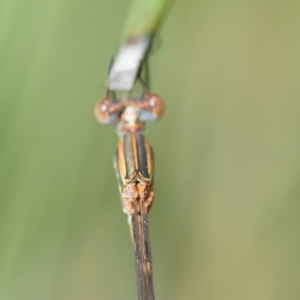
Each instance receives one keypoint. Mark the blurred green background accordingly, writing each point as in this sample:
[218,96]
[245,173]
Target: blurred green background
[226,220]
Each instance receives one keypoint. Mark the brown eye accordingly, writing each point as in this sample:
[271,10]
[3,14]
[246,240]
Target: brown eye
[152,107]
[102,111]
[157,104]
[107,111]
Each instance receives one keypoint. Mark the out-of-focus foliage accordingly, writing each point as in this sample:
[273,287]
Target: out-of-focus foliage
[145,17]
[226,220]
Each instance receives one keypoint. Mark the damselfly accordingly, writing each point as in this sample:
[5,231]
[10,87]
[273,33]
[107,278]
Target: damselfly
[134,168]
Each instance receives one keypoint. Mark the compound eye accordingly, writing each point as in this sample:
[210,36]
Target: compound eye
[104,111]
[152,107]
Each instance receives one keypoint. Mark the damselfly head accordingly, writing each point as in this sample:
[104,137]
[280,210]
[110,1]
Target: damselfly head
[129,110]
